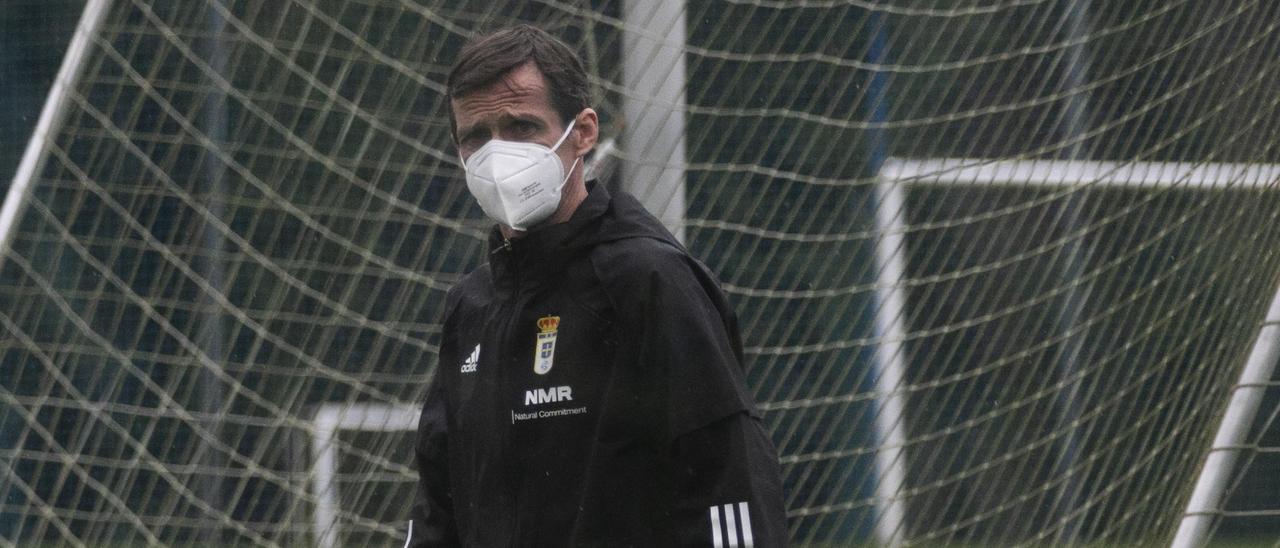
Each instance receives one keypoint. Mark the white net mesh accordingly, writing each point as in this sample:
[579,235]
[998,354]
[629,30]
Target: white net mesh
[997,264]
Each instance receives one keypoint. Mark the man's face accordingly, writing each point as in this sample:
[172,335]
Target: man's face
[517,107]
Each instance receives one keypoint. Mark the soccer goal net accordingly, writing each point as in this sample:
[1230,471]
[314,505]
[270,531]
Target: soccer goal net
[999,265]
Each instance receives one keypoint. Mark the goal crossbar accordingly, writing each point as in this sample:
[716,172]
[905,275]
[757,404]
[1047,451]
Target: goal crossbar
[1099,174]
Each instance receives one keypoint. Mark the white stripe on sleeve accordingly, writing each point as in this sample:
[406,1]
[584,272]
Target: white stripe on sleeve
[408,537]
[717,537]
[745,516]
[730,526]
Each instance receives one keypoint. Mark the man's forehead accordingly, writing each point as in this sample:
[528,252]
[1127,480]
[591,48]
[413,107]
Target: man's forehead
[519,90]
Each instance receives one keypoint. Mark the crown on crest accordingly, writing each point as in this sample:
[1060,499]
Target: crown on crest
[548,324]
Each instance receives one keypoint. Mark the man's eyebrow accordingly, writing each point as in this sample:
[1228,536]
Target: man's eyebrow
[481,129]
[523,117]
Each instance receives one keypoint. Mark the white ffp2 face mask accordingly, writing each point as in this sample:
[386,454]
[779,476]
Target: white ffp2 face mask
[518,184]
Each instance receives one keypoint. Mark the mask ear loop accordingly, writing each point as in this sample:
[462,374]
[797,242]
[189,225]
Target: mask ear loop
[556,147]
[564,136]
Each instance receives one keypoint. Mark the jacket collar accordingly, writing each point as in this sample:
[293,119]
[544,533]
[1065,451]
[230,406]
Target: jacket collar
[544,251]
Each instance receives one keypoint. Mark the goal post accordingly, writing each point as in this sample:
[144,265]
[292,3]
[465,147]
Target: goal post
[899,174]
[653,111]
[330,420]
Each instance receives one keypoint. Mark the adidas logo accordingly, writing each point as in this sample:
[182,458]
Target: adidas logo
[469,364]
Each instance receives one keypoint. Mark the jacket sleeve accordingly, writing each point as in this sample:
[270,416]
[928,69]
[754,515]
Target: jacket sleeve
[432,523]
[729,491]
[685,337]
[724,468]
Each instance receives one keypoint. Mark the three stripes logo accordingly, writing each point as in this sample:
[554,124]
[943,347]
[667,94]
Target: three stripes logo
[469,364]
[731,526]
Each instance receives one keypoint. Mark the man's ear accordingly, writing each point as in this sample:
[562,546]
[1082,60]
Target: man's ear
[586,131]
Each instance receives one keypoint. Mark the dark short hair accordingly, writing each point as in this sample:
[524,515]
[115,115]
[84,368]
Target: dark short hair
[489,57]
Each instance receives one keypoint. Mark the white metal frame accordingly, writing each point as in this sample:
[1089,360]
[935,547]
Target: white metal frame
[1243,406]
[1093,174]
[1241,412]
[51,116]
[890,362]
[330,419]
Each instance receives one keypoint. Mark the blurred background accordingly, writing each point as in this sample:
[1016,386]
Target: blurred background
[999,265]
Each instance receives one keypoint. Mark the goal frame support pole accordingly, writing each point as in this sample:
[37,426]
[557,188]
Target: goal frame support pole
[51,116]
[212,330]
[1242,409]
[889,359]
[1076,253]
[653,70]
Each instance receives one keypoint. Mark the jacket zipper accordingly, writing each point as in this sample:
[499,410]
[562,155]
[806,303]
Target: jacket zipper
[506,246]
[505,383]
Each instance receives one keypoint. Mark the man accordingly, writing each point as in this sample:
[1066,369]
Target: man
[590,388]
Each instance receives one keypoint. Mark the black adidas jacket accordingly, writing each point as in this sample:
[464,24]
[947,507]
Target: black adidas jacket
[590,393]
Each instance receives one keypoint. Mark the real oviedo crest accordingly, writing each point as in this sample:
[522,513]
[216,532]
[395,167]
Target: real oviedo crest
[545,351]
